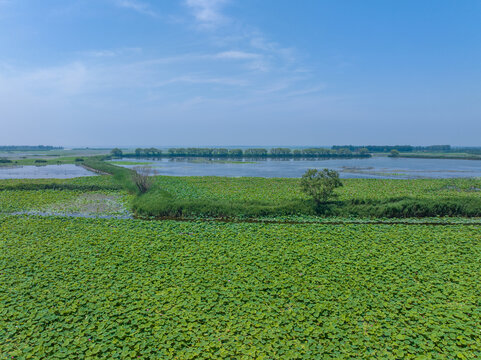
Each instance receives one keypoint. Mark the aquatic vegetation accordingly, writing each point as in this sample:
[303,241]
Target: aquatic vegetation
[125,163]
[97,195]
[259,197]
[280,189]
[65,202]
[87,183]
[80,288]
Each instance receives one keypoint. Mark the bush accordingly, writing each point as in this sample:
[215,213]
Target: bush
[320,184]
[142,178]
[116,152]
[394,153]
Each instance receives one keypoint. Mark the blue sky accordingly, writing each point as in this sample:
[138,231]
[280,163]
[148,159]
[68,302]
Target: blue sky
[240,72]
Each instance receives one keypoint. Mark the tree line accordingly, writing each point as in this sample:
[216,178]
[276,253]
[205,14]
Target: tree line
[400,148]
[254,152]
[29,148]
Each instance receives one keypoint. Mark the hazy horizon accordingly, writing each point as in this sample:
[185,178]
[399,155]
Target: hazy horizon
[215,72]
[162,146]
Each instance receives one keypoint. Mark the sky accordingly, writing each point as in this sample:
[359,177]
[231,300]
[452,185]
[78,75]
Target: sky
[240,72]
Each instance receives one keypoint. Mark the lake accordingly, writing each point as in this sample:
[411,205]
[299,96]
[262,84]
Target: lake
[375,167]
[64,171]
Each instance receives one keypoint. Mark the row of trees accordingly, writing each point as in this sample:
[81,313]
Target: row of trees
[388,148]
[29,148]
[254,152]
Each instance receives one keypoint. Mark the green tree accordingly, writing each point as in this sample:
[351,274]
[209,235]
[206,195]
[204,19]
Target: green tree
[320,184]
[394,153]
[235,152]
[116,152]
[280,151]
[363,151]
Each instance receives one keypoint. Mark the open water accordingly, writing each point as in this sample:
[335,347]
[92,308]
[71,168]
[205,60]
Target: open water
[375,167]
[64,171]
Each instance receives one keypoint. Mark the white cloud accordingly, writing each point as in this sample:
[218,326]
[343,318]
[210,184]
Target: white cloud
[136,5]
[205,80]
[207,12]
[111,52]
[237,55]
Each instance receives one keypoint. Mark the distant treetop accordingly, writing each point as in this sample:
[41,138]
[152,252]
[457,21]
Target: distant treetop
[388,148]
[29,148]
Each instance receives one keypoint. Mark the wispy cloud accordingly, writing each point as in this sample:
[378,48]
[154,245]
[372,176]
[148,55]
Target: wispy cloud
[136,5]
[204,80]
[207,12]
[111,52]
[237,55]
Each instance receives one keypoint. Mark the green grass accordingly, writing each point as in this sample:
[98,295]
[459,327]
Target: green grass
[104,289]
[121,176]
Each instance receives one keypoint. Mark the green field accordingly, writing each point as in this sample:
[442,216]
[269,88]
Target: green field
[261,197]
[276,190]
[324,287]
[100,196]
[254,198]
[92,288]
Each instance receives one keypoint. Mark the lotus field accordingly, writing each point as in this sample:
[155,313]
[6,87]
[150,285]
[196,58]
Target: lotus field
[128,289]
[82,278]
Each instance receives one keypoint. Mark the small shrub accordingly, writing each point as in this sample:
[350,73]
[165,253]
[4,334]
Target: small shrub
[394,153]
[142,178]
[320,184]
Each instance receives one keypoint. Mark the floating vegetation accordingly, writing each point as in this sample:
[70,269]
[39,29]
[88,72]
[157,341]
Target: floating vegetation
[125,163]
[92,288]
[219,161]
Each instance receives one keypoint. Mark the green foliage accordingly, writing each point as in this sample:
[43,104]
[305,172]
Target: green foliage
[93,288]
[87,183]
[394,153]
[320,184]
[260,197]
[52,160]
[116,152]
[29,148]
[97,195]
[254,152]
[122,176]
[142,178]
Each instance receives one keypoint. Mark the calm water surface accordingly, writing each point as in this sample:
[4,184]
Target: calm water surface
[375,167]
[64,171]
